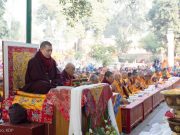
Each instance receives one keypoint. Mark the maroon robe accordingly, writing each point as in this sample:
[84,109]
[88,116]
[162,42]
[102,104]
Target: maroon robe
[105,81]
[41,76]
[66,78]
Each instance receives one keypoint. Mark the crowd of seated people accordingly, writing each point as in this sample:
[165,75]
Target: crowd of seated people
[42,75]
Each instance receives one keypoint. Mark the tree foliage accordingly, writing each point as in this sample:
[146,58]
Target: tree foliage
[122,43]
[14,32]
[151,43]
[98,19]
[49,19]
[123,20]
[102,53]
[128,20]
[3,23]
[163,15]
[129,17]
[44,13]
[78,55]
[75,10]
[78,26]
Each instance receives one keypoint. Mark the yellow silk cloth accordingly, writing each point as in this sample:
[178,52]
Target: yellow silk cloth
[1,93]
[29,101]
[119,120]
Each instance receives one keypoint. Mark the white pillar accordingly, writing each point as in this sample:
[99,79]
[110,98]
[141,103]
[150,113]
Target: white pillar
[170,39]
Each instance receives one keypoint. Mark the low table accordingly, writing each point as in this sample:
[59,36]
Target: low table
[136,112]
[131,115]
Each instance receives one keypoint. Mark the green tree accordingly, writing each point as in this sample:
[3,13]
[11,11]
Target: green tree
[78,55]
[122,43]
[163,15]
[99,18]
[75,10]
[48,31]
[3,24]
[129,18]
[14,31]
[94,19]
[103,54]
[151,43]
[46,14]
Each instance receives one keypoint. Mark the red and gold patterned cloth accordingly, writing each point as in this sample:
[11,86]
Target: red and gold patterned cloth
[18,57]
[60,97]
[94,100]
[39,108]
[96,105]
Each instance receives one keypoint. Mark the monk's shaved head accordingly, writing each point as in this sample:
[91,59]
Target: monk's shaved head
[70,69]
[46,49]
[44,44]
[69,65]
[117,76]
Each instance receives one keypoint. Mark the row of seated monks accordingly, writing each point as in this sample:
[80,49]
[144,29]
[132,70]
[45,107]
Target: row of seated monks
[42,74]
[129,83]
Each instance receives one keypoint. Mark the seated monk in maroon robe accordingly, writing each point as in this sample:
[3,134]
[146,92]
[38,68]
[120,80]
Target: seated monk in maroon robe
[67,75]
[42,73]
[108,78]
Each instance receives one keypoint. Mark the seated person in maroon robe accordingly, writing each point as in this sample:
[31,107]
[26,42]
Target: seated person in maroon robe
[108,78]
[93,79]
[42,73]
[67,74]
